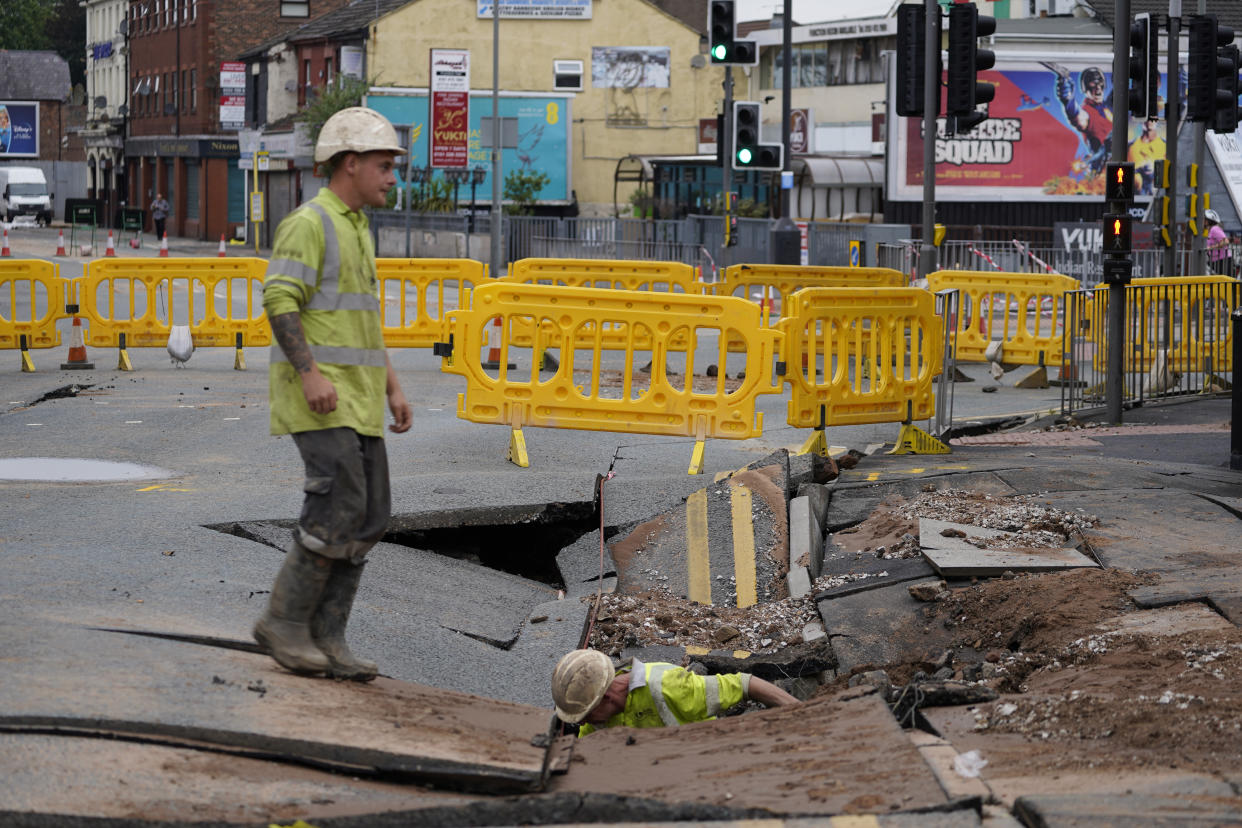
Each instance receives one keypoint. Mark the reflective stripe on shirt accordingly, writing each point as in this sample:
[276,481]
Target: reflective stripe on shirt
[337,355]
[655,681]
[329,296]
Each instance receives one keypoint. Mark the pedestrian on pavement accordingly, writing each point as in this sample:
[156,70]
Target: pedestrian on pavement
[587,688]
[329,378]
[1219,253]
[159,214]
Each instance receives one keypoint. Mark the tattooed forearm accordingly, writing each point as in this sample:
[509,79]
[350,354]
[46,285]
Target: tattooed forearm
[287,328]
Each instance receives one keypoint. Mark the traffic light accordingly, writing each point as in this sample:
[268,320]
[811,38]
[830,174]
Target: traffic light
[1164,212]
[722,31]
[1226,115]
[1120,177]
[966,59]
[1144,67]
[748,153]
[1207,68]
[1117,233]
[911,55]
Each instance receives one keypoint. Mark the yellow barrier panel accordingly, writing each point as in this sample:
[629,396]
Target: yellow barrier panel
[32,299]
[857,355]
[415,295]
[1184,317]
[219,298]
[770,285]
[597,387]
[1022,310]
[606,274]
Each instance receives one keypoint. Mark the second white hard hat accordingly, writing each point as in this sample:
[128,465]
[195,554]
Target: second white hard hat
[356,129]
[579,682]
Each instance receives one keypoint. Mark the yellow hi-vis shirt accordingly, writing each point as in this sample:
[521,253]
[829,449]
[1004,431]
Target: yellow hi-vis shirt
[663,695]
[323,268]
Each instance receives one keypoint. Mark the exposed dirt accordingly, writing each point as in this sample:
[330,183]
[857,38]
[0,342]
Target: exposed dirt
[1079,688]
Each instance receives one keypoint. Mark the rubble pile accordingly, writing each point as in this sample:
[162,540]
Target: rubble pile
[656,616]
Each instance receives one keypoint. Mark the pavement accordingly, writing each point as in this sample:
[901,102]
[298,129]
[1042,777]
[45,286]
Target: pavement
[127,602]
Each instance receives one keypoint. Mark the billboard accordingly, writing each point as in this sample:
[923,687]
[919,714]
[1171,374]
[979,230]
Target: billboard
[19,129]
[543,135]
[1048,137]
[450,108]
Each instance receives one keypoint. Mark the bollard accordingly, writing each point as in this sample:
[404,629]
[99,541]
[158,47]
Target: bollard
[1235,437]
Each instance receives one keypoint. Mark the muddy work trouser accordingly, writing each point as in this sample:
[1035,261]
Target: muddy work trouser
[347,496]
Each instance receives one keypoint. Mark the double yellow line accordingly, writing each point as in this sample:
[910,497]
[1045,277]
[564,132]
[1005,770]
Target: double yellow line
[697,547]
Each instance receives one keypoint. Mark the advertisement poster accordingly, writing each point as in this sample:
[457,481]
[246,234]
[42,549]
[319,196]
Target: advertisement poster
[543,136]
[1048,136]
[1227,152]
[450,108]
[232,95]
[19,129]
[629,67]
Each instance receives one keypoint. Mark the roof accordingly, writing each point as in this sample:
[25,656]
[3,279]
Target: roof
[1228,12]
[693,13]
[33,76]
[346,20]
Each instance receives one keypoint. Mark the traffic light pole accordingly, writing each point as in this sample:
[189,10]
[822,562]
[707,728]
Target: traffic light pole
[1198,254]
[726,170]
[1113,385]
[931,108]
[1173,117]
[786,241]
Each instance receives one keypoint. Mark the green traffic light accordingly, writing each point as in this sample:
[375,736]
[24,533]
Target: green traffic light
[744,155]
[719,51]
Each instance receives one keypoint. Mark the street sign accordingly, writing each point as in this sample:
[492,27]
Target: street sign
[256,206]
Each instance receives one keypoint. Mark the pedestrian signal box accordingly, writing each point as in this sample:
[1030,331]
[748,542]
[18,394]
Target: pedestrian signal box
[1117,233]
[1120,176]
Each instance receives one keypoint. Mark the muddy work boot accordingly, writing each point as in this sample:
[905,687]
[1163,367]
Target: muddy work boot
[284,629]
[330,618]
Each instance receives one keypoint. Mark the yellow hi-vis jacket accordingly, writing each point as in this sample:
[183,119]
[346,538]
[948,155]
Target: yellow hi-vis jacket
[323,268]
[663,695]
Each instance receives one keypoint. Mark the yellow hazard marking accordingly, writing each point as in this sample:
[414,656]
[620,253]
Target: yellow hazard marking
[861,821]
[696,649]
[916,471]
[160,487]
[741,653]
[743,546]
[873,476]
[700,582]
[721,475]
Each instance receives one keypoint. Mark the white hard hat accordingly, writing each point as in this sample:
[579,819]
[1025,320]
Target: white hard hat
[579,682]
[356,129]
[1212,215]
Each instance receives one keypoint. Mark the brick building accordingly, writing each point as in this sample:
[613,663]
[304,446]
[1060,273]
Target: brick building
[177,143]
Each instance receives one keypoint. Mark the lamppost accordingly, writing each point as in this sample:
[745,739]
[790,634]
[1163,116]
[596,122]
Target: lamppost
[476,178]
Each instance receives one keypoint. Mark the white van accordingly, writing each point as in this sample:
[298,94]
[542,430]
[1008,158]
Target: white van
[23,192]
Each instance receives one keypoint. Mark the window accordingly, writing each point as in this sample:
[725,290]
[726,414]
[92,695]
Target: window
[327,72]
[567,74]
[185,76]
[194,90]
[295,8]
[827,63]
[193,9]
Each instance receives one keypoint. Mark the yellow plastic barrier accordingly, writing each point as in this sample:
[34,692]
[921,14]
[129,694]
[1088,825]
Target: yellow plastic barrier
[606,274]
[437,285]
[597,387]
[141,298]
[1023,310]
[32,299]
[770,285]
[1185,317]
[857,355]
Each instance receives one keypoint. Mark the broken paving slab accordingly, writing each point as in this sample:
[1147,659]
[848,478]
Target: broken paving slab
[867,572]
[858,492]
[1132,809]
[829,755]
[727,544]
[954,555]
[871,627]
[76,679]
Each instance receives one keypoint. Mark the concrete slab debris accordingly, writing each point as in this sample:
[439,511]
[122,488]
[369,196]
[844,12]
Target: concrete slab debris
[1137,809]
[863,626]
[839,754]
[186,693]
[954,555]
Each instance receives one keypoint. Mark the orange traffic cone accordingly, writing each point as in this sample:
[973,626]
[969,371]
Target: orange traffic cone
[221,253]
[4,251]
[111,249]
[164,246]
[60,245]
[77,350]
[493,345]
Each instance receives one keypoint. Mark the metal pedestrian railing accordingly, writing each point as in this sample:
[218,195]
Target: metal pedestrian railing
[1178,341]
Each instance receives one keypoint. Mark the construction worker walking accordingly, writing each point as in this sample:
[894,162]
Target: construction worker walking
[329,378]
[587,688]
